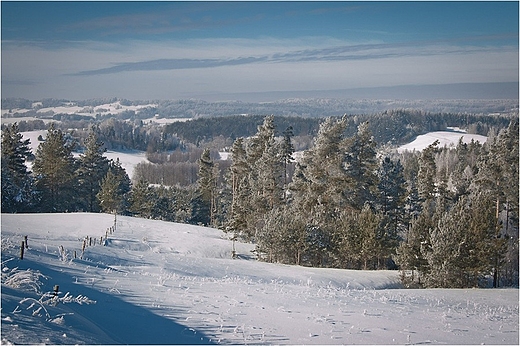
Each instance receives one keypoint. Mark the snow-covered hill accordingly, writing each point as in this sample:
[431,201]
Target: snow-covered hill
[164,283]
[445,138]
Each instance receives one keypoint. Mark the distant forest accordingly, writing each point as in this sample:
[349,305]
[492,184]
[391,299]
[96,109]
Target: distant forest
[308,107]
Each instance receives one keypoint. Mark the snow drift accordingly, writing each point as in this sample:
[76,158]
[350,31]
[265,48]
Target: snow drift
[153,282]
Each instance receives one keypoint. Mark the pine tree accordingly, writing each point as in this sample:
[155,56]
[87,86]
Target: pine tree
[141,200]
[426,178]
[319,178]
[240,189]
[287,151]
[92,168]
[497,178]
[54,168]
[360,168]
[114,189]
[17,183]
[392,192]
[207,188]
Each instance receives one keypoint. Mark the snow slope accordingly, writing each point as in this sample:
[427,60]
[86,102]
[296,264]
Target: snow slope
[164,283]
[445,138]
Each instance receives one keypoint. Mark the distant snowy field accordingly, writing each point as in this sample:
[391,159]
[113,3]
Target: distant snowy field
[108,108]
[445,138]
[164,283]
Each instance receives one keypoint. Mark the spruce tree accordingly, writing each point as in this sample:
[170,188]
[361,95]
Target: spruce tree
[115,186]
[240,190]
[141,200]
[92,168]
[54,169]
[207,188]
[17,183]
[391,192]
[426,177]
[360,168]
[287,151]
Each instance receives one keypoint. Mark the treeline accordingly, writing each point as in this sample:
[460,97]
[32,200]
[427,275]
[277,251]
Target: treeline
[445,217]
[303,107]
[390,127]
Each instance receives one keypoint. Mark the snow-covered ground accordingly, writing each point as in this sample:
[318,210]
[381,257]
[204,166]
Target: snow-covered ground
[164,283]
[108,108]
[445,138]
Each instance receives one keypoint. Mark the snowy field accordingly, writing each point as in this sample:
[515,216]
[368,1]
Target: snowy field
[108,108]
[445,138]
[164,283]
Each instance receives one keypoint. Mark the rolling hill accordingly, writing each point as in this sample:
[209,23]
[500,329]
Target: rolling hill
[154,282]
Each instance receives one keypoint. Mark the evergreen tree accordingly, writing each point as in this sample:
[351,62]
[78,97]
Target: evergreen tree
[426,178]
[320,178]
[109,198]
[92,168]
[287,151]
[141,200]
[114,189]
[17,183]
[392,192]
[360,167]
[497,178]
[240,189]
[207,188]
[54,168]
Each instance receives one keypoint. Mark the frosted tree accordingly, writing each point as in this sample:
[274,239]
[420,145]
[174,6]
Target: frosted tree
[426,178]
[17,183]
[240,190]
[391,193]
[92,168]
[207,189]
[360,167]
[115,186]
[54,169]
[320,177]
[141,200]
[287,151]
[497,178]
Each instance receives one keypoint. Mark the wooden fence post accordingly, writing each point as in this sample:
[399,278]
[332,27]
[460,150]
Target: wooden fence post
[22,247]
[25,239]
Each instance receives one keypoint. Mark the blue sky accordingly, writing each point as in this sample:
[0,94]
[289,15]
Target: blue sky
[171,50]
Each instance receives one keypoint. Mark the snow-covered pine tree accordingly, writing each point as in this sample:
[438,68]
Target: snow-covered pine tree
[17,183]
[92,168]
[238,179]
[207,188]
[114,189]
[287,151]
[54,169]
[426,177]
[392,193]
[360,167]
[141,200]
[497,178]
[109,198]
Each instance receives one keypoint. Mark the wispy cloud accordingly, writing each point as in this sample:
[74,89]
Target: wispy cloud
[157,22]
[335,53]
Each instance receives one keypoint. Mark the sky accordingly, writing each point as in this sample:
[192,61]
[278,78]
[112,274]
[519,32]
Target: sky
[211,50]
